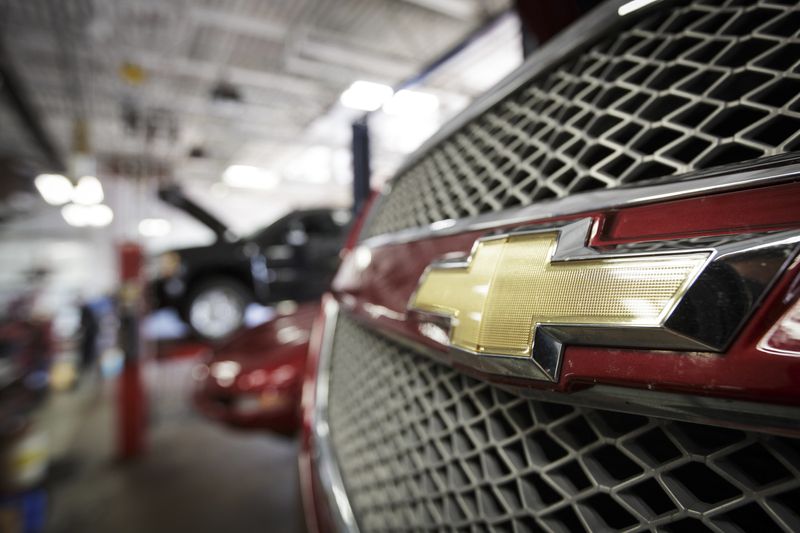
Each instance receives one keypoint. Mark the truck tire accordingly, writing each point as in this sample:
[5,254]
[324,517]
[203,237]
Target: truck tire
[215,308]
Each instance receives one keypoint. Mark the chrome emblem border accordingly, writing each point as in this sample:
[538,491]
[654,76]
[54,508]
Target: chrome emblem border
[705,318]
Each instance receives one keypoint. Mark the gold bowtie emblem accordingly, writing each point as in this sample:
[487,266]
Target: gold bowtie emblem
[510,285]
[502,298]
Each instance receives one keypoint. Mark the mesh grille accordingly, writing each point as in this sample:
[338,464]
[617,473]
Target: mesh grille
[706,84]
[422,447]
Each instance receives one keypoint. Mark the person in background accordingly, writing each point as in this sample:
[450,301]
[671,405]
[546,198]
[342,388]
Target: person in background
[88,337]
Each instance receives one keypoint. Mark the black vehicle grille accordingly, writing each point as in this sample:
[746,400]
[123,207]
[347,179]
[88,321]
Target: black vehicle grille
[424,448]
[691,87]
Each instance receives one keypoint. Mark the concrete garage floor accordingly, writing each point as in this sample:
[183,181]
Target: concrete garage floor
[196,476]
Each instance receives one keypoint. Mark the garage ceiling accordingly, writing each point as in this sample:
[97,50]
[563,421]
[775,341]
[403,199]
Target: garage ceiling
[179,90]
[165,80]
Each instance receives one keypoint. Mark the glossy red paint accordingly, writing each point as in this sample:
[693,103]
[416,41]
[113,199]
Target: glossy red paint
[255,380]
[760,209]
[378,293]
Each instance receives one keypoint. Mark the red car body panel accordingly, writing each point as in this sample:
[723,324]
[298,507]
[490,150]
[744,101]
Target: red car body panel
[271,359]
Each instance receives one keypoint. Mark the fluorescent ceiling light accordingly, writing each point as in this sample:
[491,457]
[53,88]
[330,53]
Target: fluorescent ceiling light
[100,215]
[366,95]
[54,188]
[633,5]
[248,177]
[80,216]
[88,191]
[75,215]
[408,102]
[154,227]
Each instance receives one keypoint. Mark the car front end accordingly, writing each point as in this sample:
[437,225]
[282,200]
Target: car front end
[254,381]
[575,307]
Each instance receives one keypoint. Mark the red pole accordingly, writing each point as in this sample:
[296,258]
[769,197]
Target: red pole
[131,399]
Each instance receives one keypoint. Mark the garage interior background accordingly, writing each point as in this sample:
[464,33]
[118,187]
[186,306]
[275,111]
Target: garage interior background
[239,102]
[248,107]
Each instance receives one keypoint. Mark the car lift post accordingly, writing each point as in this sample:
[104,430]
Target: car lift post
[131,394]
[361,170]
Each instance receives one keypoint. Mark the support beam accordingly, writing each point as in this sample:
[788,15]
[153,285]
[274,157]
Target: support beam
[457,9]
[459,47]
[330,52]
[208,71]
[239,24]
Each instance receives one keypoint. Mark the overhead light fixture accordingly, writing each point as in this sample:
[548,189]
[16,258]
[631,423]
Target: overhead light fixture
[197,152]
[154,227]
[366,95]
[408,102]
[249,177]
[81,216]
[132,73]
[634,5]
[88,191]
[76,215]
[54,188]
[225,91]
[100,215]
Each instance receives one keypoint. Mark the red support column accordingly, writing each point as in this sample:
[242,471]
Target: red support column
[131,394]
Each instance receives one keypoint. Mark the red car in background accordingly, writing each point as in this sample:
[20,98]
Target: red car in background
[254,381]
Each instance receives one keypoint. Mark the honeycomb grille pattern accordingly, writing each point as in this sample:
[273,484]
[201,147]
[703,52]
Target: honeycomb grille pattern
[701,85]
[424,448]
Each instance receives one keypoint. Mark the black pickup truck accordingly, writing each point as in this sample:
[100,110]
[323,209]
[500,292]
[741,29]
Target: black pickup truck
[210,286]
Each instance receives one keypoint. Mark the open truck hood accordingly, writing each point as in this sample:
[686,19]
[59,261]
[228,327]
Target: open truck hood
[174,196]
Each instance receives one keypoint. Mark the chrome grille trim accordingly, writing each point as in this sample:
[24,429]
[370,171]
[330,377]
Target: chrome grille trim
[575,119]
[780,170]
[327,467]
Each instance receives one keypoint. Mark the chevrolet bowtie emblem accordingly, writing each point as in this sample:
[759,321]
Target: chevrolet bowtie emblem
[518,298]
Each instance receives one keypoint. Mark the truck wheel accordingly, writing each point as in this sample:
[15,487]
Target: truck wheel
[215,308]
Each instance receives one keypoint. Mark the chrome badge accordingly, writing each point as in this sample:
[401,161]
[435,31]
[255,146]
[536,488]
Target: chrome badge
[517,299]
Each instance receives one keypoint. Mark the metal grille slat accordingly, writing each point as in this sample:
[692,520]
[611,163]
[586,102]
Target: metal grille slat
[424,448]
[705,83]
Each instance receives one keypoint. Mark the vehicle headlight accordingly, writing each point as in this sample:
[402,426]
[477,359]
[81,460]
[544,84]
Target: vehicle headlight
[225,371]
[247,404]
[266,402]
[168,264]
